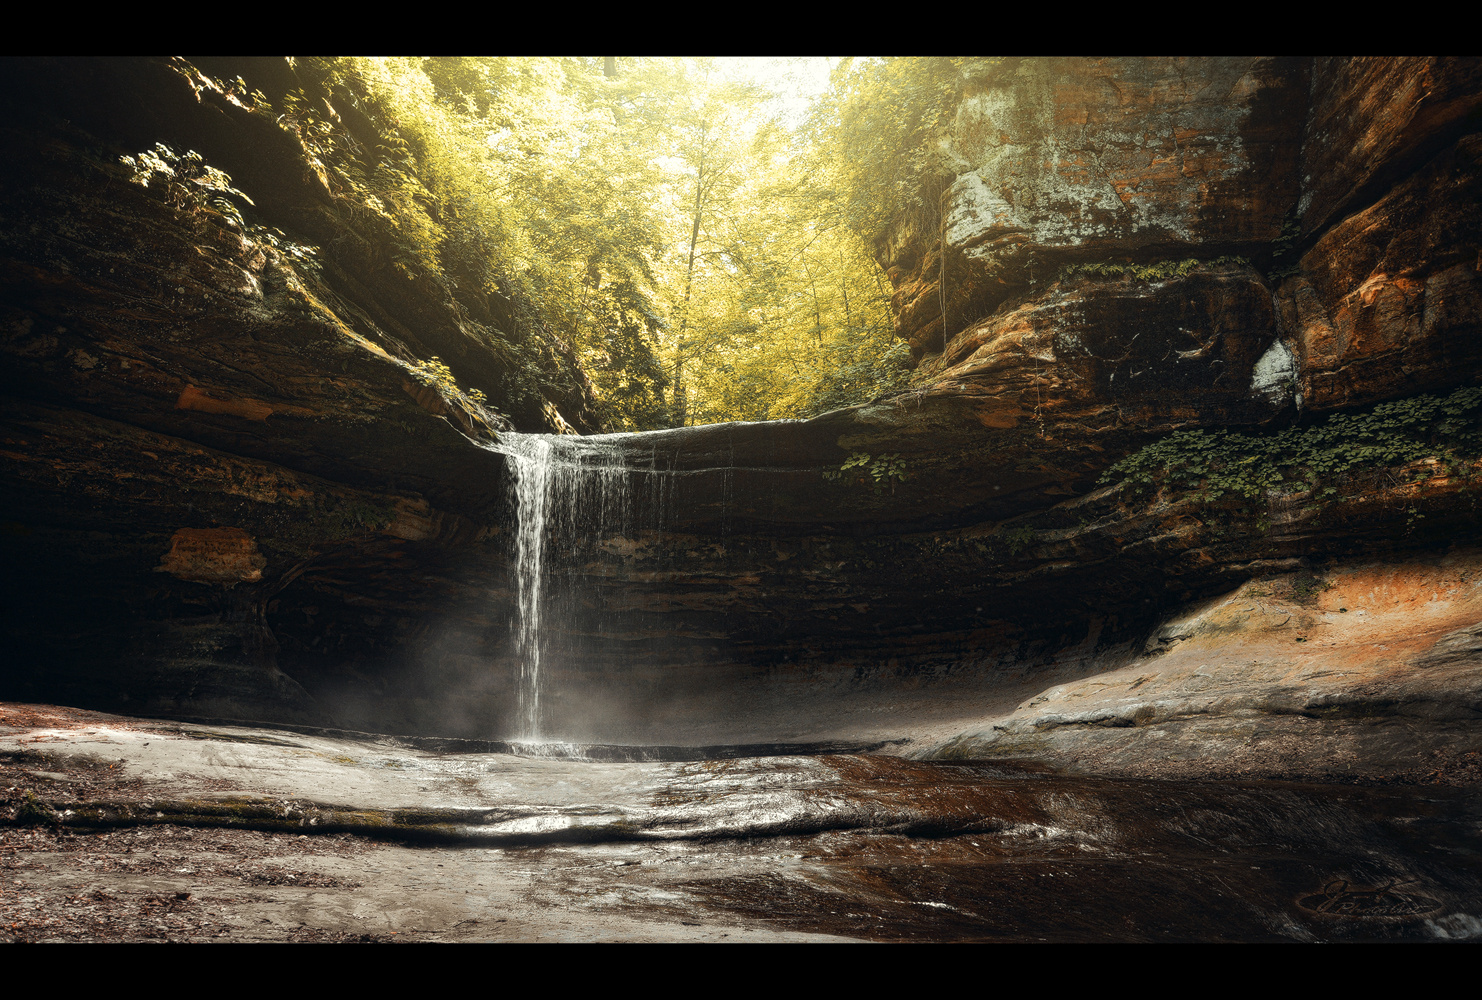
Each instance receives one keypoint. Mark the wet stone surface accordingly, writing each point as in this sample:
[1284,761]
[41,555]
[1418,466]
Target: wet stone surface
[207,834]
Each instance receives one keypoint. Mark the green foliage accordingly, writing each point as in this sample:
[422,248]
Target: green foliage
[434,372]
[187,182]
[351,519]
[33,811]
[508,177]
[882,124]
[238,90]
[1305,587]
[882,470]
[774,306]
[1019,538]
[1162,270]
[304,256]
[189,179]
[622,360]
[664,226]
[1285,259]
[1214,464]
[860,372]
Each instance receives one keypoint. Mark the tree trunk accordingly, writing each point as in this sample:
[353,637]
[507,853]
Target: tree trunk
[681,398]
[817,315]
[844,287]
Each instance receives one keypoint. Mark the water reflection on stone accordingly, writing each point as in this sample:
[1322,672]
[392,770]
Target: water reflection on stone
[793,840]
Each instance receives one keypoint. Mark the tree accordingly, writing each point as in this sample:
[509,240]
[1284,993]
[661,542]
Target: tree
[674,232]
[881,126]
[709,122]
[540,188]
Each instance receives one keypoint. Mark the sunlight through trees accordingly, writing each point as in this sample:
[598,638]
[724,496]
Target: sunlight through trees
[702,232]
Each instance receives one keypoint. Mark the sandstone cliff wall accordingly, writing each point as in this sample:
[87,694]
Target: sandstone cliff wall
[228,493]
[1345,183]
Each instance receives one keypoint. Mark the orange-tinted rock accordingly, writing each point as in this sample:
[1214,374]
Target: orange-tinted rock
[1285,676]
[1030,405]
[163,370]
[1080,159]
[1144,353]
[1374,118]
[206,401]
[213,555]
[1389,301]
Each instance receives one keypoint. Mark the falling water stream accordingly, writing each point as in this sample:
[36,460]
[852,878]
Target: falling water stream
[566,489]
[583,506]
[531,468]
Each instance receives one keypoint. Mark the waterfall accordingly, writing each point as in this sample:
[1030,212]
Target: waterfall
[531,472]
[568,493]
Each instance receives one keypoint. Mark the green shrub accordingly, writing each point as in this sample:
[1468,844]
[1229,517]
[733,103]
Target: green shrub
[1213,464]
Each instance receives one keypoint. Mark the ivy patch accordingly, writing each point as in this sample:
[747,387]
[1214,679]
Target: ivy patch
[1214,464]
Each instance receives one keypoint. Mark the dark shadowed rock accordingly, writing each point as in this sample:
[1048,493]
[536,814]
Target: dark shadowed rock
[1374,119]
[1389,300]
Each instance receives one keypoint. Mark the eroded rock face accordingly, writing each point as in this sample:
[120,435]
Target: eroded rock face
[181,393]
[1025,408]
[213,555]
[1389,301]
[74,119]
[994,552]
[1150,352]
[1060,161]
[1370,669]
[1075,161]
[151,573]
[1374,119]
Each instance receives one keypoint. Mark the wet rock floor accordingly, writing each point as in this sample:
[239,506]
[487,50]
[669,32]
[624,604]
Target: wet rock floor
[117,829]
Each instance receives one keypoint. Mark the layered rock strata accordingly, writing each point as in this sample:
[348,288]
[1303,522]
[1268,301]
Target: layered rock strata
[202,408]
[232,495]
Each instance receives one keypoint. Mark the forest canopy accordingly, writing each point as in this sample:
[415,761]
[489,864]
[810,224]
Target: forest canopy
[701,235]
